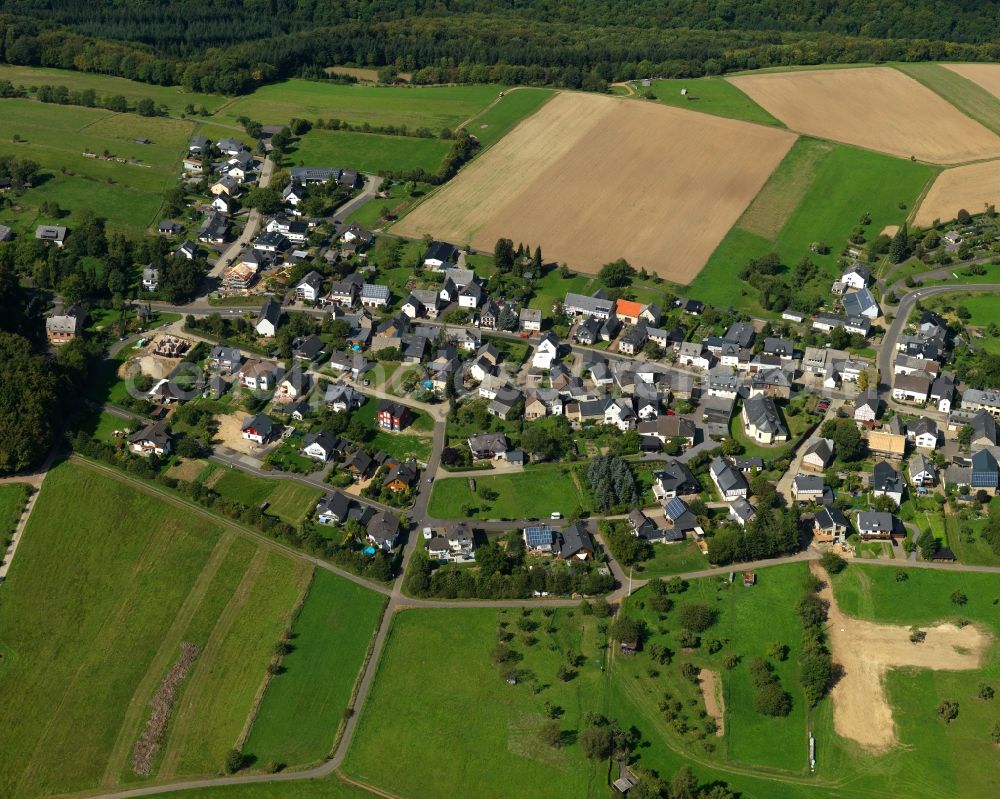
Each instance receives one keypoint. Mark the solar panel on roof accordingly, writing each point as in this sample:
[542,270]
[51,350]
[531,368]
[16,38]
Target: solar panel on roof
[538,536]
[674,508]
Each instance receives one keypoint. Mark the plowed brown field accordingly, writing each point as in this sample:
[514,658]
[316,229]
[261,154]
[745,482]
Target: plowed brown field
[592,179]
[878,108]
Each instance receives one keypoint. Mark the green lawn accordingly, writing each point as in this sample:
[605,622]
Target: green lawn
[985,308]
[712,96]
[458,729]
[85,609]
[127,194]
[329,788]
[13,497]
[968,97]
[398,201]
[533,493]
[672,559]
[288,500]
[494,123]
[432,107]
[842,183]
[174,97]
[369,152]
[963,535]
[302,710]
[552,288]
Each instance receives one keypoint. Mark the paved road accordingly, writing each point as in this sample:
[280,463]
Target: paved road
[371,187]
[249,230]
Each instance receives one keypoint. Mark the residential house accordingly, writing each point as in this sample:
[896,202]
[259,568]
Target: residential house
[942,390]
[333,508]
[692,353]
[401,477]
[588,331]
[576,543]
[783,348]
[762,422]
[295,384]
[619,412]
[808,488]
[530,320]
[393,416]
[723,382]
[307,348]
[225,359]
[793,316]
[383,531]
[470,296]
[741,511]
[64,326]
[440,255]
[911,387]
[340,397]
[887,482]
[633,341]
[818,455]
[904,364]
[257,428]
[679,517]
[310,288]
[985,472]
[670,428]
[773,383]
[505,403]
[923,432]
[259,375]
[922,471]
[454,545]
[729,481]
[539,539]
[856,276]
[675,479]
[320,446]
[51,234]
[546,352]
[153,439]
[688,306]
[867,406]
[359,464]
[304,175]
[877,525]
[861,303]
[374,295]
[488,446]
[268,318]
[976,400]
[830,525]
[984,430]
[150,278]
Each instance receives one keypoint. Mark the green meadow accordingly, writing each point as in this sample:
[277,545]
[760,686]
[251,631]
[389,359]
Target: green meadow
[173,97]
[303,707]
[369,152]
[497,121]
[287,499]
[533,493]
[432,107]
[711,96]
[834,185]
[126,191]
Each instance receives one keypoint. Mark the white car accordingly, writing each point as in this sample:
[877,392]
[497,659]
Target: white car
[555,515]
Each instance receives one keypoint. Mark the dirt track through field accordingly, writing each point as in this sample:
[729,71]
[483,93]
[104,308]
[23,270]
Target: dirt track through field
[972,187]
[878,108]
[592,179]
[711,691]
[865,651]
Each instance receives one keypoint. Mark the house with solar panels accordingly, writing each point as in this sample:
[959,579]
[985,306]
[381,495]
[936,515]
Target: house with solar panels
[540,539]
[985,471]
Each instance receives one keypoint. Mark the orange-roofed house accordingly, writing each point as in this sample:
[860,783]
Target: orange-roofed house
[629,311]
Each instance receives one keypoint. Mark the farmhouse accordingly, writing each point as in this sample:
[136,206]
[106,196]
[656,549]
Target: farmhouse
[985,471]
[582,305]
[976,400]
[911,387]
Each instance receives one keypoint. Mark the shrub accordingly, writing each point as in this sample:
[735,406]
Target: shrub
[833,563]
[771,700]
[917,635]
[985,691]
[234,761]
[958,598]
[948,711]
[595,741]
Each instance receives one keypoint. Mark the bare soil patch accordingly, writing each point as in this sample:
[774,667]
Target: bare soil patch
[230,434]
[890,230]
[865,651]
[592,179]
[878,108]
[971,187]
[711,690]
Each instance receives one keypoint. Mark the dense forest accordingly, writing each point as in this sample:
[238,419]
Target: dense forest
[232,46]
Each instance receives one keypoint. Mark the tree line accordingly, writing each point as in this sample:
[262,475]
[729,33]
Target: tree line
[579,46]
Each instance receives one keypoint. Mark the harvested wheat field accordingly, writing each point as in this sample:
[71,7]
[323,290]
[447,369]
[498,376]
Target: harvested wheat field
[865,651]
[878,108]
[972,187]
[593,179]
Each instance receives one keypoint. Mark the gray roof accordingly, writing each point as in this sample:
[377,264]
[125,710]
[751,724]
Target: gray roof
[374,291]
[887,479]
[763,414]
[270,311]
[726,476]
[857,303]
[876,522]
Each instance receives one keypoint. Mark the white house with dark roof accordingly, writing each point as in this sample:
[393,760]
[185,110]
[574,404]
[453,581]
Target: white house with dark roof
[729,481]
